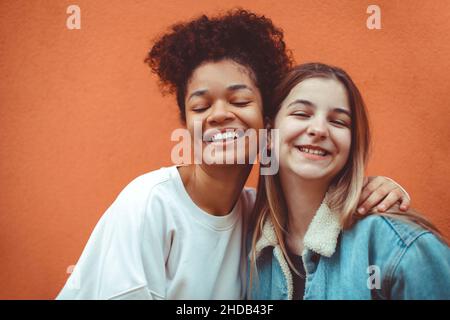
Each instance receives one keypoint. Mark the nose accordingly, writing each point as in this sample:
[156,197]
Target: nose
[219,113]
[318,129]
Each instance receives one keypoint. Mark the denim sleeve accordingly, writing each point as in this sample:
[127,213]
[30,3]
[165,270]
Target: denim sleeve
[422,271]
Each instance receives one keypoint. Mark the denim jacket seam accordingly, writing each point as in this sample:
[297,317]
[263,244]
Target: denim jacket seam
[402,248]
[399,256]
[411,235]
[392,266]
[394,228]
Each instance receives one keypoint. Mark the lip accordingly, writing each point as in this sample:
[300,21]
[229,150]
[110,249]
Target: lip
[208,134]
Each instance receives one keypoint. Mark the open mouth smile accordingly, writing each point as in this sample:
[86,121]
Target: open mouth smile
[222,136]
[314,152]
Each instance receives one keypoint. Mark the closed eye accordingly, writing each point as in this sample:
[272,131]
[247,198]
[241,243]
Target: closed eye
[240,104]
[200,109]
[301,114]
[340,123]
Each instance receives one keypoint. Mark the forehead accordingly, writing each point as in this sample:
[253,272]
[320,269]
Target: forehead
[223,72]
[323,92]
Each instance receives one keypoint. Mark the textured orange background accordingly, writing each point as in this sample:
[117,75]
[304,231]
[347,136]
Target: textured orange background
[81,116]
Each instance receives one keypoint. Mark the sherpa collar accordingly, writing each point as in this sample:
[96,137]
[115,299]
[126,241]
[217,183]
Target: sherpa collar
[321,236]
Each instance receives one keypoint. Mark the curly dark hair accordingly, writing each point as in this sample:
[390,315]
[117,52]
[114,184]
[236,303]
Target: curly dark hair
[249,39]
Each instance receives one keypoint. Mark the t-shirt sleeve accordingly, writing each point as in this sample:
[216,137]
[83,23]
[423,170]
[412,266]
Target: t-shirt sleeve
[111,264]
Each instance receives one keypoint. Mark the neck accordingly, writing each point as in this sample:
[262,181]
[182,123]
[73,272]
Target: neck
[213,188]
[303,198]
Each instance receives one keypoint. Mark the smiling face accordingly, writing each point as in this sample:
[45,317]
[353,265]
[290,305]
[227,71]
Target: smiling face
[223,97]
[314,124]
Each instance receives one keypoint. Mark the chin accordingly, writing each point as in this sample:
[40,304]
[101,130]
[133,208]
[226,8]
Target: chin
[311,176]
[308,173]
[222,159]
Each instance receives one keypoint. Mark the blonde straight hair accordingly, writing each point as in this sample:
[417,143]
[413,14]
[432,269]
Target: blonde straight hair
[345,190]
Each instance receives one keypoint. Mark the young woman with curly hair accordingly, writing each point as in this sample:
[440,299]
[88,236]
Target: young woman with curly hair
[177,232]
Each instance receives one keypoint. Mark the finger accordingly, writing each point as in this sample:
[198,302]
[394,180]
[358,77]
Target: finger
[405,203]
[375,198]
[390,200]
[379,183]
[371,186]
[366,181]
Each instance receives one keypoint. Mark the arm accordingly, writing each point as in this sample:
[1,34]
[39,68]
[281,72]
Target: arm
[381,193]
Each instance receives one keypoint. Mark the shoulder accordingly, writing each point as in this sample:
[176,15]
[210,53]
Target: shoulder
[395,240]
[386,239]
[144,184]
[388,229]
[402,250]
[140,191]
[136,198]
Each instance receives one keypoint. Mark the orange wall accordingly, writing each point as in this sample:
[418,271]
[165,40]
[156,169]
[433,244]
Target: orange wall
[80,115]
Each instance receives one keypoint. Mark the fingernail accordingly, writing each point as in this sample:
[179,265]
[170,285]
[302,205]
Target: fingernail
[361,210]
[382,207]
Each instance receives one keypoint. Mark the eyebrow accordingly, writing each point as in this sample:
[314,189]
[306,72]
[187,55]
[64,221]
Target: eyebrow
[197,93]
[310,104]
[234,87]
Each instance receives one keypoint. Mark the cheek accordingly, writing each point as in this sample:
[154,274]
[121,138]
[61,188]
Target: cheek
[343,140]
[190,125]
[253,118]
[290,130]
[191,119]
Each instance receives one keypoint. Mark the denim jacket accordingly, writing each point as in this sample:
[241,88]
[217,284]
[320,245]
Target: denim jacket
[378,258]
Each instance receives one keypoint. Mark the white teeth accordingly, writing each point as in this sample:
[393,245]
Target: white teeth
[224,136]
[313,151]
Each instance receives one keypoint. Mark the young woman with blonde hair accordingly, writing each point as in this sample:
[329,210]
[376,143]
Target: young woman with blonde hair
[307,241]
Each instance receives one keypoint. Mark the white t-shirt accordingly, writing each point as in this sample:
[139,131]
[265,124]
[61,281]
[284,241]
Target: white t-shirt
[154,242]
